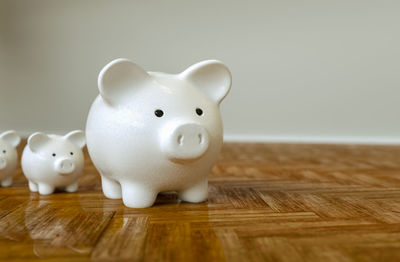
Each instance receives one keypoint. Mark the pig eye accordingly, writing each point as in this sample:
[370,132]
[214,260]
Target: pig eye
[199,111]
[71,153]
[4,151]
[159,113]
[54,154]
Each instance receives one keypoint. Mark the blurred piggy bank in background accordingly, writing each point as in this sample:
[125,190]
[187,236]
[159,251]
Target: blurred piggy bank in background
[9,140]
[149,132]
[51,161]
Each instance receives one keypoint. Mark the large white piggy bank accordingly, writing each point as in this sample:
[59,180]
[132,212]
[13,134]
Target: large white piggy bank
[151,132]
[51,161]
[9,140]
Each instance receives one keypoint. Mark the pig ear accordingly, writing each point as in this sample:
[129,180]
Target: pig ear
[37,140]
[211,77]
[11,137]
[119,79]
[77,137]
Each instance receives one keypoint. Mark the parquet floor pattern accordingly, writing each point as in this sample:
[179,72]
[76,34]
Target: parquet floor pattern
[267,202]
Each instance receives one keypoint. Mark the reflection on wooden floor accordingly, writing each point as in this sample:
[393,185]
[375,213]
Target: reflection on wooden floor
[267,202]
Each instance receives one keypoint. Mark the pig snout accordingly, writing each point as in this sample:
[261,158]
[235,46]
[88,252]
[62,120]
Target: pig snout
[3,163]
[64,166]
[188,141]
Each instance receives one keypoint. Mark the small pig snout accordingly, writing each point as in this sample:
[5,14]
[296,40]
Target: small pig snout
[3,163]
[64,166]
[188,141]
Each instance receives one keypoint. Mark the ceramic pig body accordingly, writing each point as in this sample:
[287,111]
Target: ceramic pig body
[153,132]
[9,140]
[52,161]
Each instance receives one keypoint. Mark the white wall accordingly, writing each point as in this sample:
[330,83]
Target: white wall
[3,74]
[302,69]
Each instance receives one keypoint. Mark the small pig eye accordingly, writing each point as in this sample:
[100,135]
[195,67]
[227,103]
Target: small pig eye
[199,111]
[54,154]
[159,113]
[4,151]
[72,153]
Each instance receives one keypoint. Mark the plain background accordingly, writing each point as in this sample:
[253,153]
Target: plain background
[302,70]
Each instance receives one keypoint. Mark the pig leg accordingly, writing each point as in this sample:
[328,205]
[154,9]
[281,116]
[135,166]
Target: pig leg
[33,187]
[45,189]
[111,188]
[196,193]
[72,188]
[7,182]
[137,196]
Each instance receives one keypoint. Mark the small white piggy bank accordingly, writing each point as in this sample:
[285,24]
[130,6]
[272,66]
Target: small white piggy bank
[51,161]
[151,132]
[9,140]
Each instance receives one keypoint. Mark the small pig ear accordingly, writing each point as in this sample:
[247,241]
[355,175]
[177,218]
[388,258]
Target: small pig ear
[210,76]
[77,137]
[37,140]
[11,137]
[119,79]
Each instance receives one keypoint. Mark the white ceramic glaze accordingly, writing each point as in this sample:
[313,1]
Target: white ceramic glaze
[140,151]
[51,161]
[9,140]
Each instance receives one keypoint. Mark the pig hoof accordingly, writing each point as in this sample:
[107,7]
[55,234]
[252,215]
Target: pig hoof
[72,188]
[137,196]
[195,194]
[111,188]
[45,189]
[33,187]
[6,182]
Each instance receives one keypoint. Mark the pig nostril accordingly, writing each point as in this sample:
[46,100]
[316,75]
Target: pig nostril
[200,138]
[65,165]
[180,140]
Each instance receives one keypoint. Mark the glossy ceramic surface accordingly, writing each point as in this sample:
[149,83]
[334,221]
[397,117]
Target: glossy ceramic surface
[151,132]
[9,140]
[51,161]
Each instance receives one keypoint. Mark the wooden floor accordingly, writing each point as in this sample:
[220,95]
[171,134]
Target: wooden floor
[267,202]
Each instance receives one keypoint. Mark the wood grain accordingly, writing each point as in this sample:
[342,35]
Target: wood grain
[267,202]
